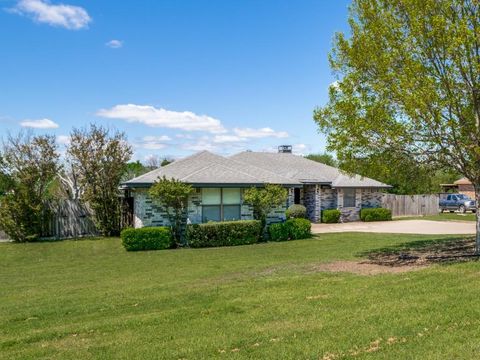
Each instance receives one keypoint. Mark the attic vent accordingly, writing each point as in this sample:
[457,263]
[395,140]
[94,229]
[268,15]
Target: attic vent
[285,149]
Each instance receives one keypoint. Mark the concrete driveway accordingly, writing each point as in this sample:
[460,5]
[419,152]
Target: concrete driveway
[399,227]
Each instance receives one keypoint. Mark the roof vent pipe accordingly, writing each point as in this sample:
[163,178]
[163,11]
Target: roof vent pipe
[285,149]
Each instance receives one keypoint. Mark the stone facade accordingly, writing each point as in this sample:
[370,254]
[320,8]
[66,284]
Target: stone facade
[314,197]
[148,213]
[371,198]
[312,202]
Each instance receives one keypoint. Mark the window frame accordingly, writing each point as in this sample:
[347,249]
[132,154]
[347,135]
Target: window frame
[354,191]
[222,204]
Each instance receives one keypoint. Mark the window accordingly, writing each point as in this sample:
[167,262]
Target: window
[348,197]
[220,204]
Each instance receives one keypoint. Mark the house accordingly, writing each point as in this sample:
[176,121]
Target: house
[462,186]
[219,183]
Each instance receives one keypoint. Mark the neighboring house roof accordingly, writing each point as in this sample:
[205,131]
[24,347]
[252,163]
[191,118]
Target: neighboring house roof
[305,170]
[252,168]
[463,181]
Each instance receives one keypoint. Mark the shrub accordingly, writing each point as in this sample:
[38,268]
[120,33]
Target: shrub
[147,238]
[375,214]
[278,232]
[291,229]
[296,211]
[331,216]
[226,233]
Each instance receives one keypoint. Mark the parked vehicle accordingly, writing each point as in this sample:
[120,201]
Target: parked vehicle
[459,202]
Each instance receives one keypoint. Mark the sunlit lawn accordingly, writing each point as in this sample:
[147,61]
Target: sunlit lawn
[447,216]
[90,299]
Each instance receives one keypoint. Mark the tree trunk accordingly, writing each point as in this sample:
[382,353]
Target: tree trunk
[477,234]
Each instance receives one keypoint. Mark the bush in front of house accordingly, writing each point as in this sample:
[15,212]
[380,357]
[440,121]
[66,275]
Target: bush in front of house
[292,229]
[375,214]
[147,238]
[296,211]
[225,233]
[331,216]
[278,232]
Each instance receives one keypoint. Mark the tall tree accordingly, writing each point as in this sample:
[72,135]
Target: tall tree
[99,157]
[324,158]
[408,84]
[28,166]
[172,196]
[263,200]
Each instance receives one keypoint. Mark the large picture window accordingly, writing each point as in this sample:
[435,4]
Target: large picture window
[220,204]
[348,197]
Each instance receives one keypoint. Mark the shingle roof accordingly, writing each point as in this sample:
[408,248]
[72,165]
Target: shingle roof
[252,168]
[305,170]
[207,168]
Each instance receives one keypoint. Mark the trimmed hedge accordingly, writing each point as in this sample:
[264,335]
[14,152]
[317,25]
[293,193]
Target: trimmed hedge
[292,229]
[226,233]
[375,214]
[331,216]
[147,238]
[296,211]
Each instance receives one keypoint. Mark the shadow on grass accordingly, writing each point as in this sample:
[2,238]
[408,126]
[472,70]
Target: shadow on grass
[424,252]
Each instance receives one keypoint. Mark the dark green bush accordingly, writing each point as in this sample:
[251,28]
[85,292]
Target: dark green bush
[226,233]
[331,216]
[147,238]
[291,229]
[375,214]
[278,232]
[296,212]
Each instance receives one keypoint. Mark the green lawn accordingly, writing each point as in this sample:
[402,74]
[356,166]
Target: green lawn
[90,299]
[442,217]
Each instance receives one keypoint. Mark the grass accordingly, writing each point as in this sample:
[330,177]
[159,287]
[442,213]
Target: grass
[442,217]
[90,299]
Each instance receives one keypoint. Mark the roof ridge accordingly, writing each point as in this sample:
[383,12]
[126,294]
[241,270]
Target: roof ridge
[176,162]
[241,171]
[219,164]
[243,163]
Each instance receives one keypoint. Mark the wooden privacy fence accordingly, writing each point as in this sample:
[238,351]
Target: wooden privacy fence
[411,205]
[67,219]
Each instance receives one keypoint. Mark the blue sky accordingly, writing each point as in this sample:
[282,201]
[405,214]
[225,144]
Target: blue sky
[177,76]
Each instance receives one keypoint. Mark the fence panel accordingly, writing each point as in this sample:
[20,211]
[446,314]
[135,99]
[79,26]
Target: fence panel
[411,205]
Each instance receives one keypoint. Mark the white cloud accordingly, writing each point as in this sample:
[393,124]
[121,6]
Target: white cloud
[63,139]
[220,139]
[184,136]
[259,133]
[68,16]
[200,144]
[301,149]
[39,124]
[114,44]
[157,138]
[153,142]
[158,117]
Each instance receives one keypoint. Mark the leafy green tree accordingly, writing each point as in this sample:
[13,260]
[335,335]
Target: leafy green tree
[264,200]
[100,158]
[172,197]
[165,162]
[408,85]
[28,167]
[134,169]
[324,158]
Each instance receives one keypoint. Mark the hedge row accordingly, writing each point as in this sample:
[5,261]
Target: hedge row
[331,216]
[292,229]
[375,214]
[226,233]
[147,238]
